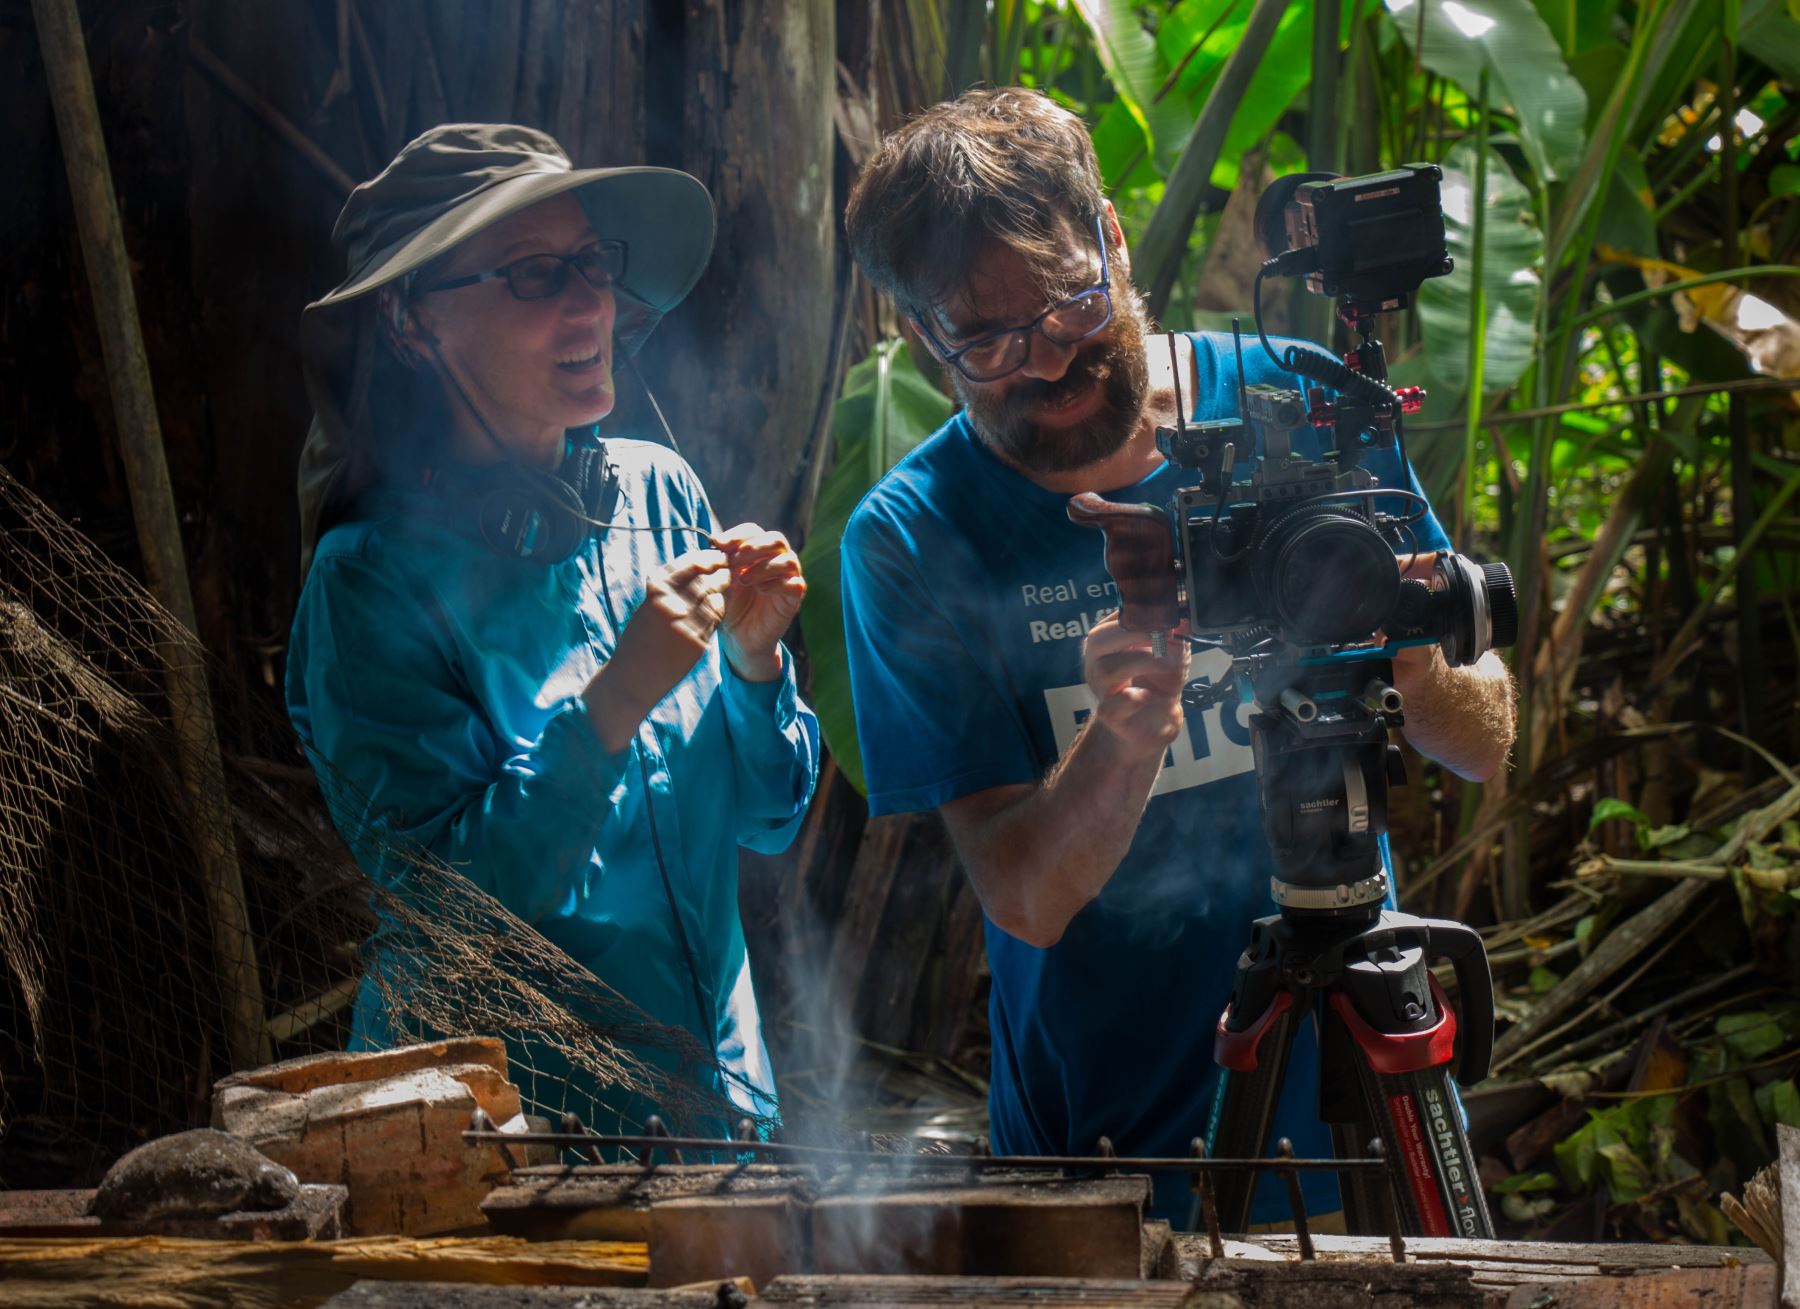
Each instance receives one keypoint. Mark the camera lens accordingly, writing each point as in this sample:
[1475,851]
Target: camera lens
[1328,575]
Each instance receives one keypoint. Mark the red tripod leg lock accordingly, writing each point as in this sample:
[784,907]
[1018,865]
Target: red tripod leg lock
[1400,1052]
[1236,1051]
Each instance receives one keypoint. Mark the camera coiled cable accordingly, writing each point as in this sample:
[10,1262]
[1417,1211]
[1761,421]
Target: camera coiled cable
[1315,364]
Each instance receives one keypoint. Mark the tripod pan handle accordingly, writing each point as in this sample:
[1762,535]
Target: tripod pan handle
[1463,947]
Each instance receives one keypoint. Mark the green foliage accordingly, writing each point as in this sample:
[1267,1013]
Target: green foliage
[1511,264]
[1611,807]
[886,408]
[1630,1147]
[1282,73]
[1130,59]
[1524,63]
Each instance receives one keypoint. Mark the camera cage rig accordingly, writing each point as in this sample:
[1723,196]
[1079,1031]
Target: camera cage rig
[1245,546]
[1293,573]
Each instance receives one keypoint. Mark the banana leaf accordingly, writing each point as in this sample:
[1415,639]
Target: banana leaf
[1511,276]
[1281,75]
[1577,25]
[1767,30]
[1136,71]
[886,408]
[1529,76]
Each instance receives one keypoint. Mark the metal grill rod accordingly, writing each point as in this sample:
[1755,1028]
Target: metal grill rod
[1197,1164]
[778,1152]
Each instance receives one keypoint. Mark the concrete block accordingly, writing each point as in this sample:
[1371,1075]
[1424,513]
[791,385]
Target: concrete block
[713,1238]
[1046,1227]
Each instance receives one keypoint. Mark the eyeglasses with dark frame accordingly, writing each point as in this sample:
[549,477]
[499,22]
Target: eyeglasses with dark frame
[539,277]
[1000,354]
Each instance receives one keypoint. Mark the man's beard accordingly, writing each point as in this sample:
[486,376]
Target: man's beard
[1117,366]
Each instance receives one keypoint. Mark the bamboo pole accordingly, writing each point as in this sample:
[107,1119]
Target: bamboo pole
[153,507]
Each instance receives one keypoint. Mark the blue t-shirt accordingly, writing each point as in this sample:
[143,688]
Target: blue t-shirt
[967,592]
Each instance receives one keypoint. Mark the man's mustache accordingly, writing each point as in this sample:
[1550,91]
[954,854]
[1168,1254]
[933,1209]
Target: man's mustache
[1084,370]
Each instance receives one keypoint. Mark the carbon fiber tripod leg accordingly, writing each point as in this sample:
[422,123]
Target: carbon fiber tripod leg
[1244,1112]
[1430,1163]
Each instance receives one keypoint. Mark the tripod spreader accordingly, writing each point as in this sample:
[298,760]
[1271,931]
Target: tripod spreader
[1375,976]
[1387,1039]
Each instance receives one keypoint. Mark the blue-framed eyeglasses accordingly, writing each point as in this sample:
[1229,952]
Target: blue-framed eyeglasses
[993,356]
[538,277]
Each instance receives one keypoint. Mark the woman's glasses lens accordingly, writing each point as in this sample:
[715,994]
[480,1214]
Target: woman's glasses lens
[538,277]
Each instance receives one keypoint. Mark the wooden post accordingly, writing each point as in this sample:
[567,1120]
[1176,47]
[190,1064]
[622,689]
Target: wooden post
[1787,1140]
[153,506]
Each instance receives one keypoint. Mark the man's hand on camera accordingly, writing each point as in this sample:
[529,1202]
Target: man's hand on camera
[1461,717]
[663,639]
[1137,695]
[765,594]
[1416,663]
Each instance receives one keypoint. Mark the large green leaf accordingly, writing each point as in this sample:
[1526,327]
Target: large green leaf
[1577,24]
[1129,56]
[1686,46]
[886,408]
[1122,149]
[1165,240]
[1624,221]
[1525,65]
[1768,31]
[1283,72]
[1511,276]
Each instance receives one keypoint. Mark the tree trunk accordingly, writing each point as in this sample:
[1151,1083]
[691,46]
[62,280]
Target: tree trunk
[746,358]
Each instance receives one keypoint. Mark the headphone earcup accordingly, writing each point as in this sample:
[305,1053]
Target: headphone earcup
[531,515]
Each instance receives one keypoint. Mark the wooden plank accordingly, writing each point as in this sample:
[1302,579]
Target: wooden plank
[1338,1285]
[612,1202]
[55,1274]
[1787,1141]
[1745,1287]
[453,1295]
[1622,1257]
[721,1237]
[822,1292]
[1052,1227]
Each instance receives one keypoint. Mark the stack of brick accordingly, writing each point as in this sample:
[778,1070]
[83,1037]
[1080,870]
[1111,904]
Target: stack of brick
[386,1124]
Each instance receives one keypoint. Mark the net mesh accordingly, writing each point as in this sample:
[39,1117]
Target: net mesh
[169,913]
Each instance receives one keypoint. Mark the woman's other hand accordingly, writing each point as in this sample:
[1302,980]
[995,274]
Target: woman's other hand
[765,594]
[662,641]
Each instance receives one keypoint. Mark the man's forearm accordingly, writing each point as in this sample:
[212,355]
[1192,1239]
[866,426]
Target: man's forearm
[1464,718]
[1038,857]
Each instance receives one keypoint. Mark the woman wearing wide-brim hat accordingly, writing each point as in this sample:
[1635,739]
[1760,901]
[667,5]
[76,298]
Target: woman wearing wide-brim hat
[532,654]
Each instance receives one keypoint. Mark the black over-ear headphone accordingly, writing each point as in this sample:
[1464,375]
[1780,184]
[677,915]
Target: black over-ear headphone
[524,513]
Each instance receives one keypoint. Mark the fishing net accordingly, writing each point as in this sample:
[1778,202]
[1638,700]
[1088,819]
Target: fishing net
[168,915]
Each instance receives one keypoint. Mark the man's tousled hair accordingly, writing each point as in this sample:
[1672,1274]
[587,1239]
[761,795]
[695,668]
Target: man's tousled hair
[1007,165]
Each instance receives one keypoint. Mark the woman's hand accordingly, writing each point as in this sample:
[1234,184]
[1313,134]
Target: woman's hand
[765,594]
[663,639]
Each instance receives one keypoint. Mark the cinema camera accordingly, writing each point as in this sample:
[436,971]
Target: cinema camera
[1292,571]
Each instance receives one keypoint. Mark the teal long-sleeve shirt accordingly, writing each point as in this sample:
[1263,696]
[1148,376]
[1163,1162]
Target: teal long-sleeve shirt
[437,686]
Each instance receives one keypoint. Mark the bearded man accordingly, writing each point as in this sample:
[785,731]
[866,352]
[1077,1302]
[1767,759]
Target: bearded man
[1115,843]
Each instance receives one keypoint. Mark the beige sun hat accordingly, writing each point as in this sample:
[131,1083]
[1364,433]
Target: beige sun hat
[445,186]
